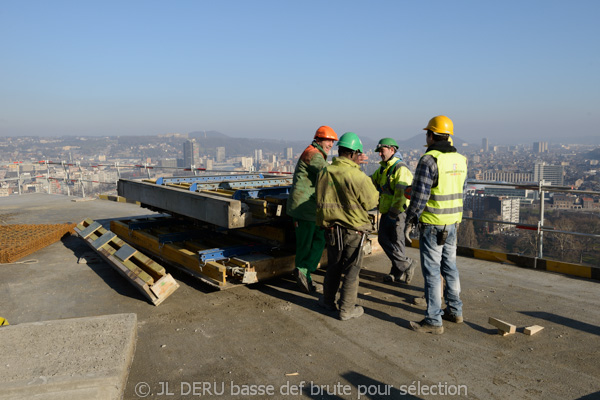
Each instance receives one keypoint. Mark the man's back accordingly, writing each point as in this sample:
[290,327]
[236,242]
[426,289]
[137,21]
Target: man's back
[344,195]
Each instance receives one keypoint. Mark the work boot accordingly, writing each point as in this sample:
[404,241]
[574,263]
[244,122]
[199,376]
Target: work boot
[356,312]
[424,327]
[410,272]
[316,287]
[327,306]
[302,281]
[457,319]
[395,275]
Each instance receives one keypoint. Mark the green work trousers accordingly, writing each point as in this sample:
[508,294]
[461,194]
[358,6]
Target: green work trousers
[310,243]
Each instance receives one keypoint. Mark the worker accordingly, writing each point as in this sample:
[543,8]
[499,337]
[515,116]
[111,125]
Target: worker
[391,180]
[437,205]
[345,194]
[302,207]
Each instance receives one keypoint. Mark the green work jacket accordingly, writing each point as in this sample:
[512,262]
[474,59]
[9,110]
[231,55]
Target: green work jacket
[390,180]
[301,203]
[345,195]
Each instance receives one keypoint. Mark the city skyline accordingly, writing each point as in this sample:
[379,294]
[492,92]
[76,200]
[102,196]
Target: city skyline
[513,72]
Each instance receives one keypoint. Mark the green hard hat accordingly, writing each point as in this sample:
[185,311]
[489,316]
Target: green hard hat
[386,142]
[350,140]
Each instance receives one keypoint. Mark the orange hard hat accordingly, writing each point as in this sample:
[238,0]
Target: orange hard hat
[326,132]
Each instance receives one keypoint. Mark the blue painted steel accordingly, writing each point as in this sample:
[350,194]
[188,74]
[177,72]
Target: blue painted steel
[257,183]
[228,252]
[206,178]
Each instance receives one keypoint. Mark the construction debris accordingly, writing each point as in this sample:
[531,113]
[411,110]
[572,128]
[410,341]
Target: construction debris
[504,328]
[18,241]
[532,330]
[149,277]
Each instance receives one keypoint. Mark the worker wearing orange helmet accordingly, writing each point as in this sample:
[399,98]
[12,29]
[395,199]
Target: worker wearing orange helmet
[302,207]
[436,204]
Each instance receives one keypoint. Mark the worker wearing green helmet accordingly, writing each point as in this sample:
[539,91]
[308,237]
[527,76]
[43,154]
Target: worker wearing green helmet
[391,179]
[344,197]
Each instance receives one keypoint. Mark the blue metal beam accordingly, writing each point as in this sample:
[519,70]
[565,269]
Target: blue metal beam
[206,178]
[231,251]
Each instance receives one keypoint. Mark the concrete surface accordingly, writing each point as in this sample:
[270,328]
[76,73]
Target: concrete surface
[77,358]
[251,340]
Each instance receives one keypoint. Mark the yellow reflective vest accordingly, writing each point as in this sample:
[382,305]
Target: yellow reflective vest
[391,179]
[445,204]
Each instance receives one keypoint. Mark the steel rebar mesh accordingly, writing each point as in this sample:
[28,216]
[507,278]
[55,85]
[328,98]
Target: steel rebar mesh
[17,241]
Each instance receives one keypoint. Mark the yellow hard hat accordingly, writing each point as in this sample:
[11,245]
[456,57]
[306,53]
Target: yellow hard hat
[440,124]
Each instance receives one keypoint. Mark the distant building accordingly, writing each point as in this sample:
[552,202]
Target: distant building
[220,154]
[502,176]
[506,209]
[190,152]
[564,201]
[540,147]
[289,153]
[555,174]
[484,144]
[246,163]
[258,156]
[502,191]
[168,162]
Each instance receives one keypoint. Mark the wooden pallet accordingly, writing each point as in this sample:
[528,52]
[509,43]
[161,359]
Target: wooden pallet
[149,277]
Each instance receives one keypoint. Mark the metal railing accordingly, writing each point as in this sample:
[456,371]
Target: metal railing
[539,228]
[540,188]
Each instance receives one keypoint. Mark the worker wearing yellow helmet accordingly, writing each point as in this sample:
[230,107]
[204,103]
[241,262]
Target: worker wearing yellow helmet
[436,204]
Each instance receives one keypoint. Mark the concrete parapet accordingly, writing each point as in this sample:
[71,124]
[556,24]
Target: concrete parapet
[79,358]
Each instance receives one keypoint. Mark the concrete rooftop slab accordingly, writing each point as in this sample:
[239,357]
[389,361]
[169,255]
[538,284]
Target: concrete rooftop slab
[271,335]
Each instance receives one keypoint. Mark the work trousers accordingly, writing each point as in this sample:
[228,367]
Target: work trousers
[310,243]
[344,257]
[391,238]
[437,261]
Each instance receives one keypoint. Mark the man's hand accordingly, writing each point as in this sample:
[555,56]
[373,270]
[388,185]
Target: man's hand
[408,228]
[363,159]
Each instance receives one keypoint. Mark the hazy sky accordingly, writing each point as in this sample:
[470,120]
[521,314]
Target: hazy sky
[507,70]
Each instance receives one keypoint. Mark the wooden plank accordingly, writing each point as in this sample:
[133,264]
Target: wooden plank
[215,271]
[532,330]
[163,288]
[502,326]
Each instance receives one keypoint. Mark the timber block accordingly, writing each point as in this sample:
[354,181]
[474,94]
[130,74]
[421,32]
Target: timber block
[504,328]
[532,330]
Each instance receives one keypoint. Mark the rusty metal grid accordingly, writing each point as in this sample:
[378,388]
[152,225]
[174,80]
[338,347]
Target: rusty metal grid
[18,241]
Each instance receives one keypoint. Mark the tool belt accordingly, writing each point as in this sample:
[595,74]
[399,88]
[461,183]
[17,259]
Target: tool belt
[335,236]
